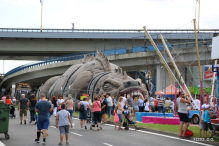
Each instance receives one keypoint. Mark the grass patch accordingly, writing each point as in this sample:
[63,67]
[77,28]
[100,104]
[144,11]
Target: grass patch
[168,128]
[76,114]
[162,127]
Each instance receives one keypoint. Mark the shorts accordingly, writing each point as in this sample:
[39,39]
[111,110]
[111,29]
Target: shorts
[207,125]
[131,109]
[201,125]
[183,117]
[64,129]
[23,111]
[42,124]
[83,115]
[120,117]
[156,108]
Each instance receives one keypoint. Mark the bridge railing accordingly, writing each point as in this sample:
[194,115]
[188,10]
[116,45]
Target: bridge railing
[37,30]
[113,51]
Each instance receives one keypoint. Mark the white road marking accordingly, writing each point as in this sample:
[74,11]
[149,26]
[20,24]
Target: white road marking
[163,135]
[76,119]
[2,144]
[107,144]
[76,134]
[53,126]
[175,138]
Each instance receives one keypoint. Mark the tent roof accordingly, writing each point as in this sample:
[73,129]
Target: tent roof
[169,90]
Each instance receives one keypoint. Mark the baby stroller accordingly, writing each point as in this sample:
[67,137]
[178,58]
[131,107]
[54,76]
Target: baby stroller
[128,121]
[89,118]
[12,114]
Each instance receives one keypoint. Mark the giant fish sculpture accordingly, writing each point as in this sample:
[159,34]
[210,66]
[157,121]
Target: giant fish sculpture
[93,76]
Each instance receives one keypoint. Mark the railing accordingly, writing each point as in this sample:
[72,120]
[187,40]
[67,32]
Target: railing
[113,51]
[106,30]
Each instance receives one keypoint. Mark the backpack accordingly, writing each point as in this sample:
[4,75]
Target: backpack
[81,109]
[188,133]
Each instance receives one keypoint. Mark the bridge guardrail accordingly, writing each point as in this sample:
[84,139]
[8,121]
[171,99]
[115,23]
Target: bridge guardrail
[37,30]
[114,51]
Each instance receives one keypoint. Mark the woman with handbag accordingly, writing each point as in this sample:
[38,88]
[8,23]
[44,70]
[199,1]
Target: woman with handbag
[60,101]
[33,102]
[96,106]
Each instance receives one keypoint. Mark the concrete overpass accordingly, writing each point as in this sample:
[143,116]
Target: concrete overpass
[38,73]
[32,44]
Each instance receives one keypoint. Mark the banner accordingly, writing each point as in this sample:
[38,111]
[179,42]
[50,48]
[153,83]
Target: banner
[208,74]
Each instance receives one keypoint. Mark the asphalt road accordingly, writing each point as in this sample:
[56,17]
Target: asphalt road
[24,135]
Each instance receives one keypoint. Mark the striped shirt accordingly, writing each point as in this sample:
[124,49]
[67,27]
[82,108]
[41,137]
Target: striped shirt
[160,99]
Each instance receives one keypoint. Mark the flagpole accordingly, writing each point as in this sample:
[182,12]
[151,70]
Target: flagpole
[41,15]
[195,7]
[199,15]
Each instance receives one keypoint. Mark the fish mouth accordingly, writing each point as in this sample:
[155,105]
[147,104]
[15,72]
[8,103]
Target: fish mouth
[134,90]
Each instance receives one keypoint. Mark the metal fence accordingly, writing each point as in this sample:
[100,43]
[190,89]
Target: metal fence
[128,48]
[37,30]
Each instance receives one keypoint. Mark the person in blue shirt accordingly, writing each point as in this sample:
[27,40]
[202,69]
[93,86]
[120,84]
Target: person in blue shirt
[114,105]
[141,104]
[207,123]
[43,108]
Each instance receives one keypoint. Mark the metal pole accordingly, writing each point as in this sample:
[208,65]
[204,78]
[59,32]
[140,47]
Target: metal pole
[212,84]
[176,68]
[198,15]
[41,15]
[200,74]
[175,96]
[162,58]
[165,76]
[3,67]
[75,97]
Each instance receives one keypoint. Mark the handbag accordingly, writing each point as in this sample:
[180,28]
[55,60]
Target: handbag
[59,108]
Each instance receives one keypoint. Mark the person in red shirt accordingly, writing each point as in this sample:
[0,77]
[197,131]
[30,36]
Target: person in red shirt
[156,105]
[8,100]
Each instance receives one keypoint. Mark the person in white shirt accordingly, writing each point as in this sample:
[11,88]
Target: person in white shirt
[172,105]
[90,103]
[197,103]
[124,101]
[146,106]
[110,105]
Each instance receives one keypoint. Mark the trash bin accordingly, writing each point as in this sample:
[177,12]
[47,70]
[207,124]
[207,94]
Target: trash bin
[4,118]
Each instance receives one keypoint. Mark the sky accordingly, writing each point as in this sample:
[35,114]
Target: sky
[105,14]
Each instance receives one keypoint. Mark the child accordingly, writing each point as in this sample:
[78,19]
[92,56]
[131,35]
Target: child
[130,121]
[146,106]
[116,119]
[62,121]
[201,117]
[207,123]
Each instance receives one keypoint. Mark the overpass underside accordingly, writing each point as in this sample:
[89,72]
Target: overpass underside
[186,60]
[39,46]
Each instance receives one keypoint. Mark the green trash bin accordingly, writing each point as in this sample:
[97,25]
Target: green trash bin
[4,118]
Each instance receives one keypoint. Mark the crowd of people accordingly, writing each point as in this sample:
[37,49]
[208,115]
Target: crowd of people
[102,107]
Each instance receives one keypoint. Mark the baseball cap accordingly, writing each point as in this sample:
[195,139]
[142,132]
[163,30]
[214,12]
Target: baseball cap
[22,94]
[203,106]
[161,93]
